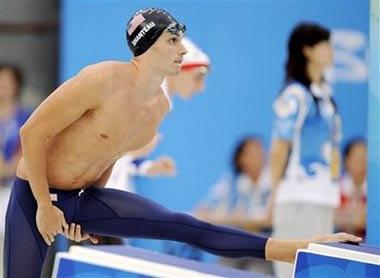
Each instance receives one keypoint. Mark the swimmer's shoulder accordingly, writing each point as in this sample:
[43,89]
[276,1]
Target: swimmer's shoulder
[108,72]
[101,69]
[114,70]
[106,68]
[108,78]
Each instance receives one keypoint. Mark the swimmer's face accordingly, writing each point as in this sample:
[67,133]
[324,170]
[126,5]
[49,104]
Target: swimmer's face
[168,52]
[191,81]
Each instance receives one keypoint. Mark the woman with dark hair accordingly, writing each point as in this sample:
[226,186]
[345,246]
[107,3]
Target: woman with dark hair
[251,182]
[306,135]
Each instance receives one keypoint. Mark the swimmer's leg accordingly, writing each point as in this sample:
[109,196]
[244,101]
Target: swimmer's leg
[123,214]
[24,248]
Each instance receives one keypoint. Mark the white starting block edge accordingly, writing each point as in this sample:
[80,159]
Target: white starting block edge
[339,253]
[134,265]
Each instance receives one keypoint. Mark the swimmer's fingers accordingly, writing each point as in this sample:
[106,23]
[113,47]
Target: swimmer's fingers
[81,237]
[65,227]
[50,238]
[78,233]
[75,233]
[344,237]
[66,231]
[338,237]
[72,231]
[92,238]
[46,239]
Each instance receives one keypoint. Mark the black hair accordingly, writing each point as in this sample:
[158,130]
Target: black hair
[239,149]
[304,34]
[17,74]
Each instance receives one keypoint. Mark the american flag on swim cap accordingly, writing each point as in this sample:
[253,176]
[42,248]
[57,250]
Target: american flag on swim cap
[136,21]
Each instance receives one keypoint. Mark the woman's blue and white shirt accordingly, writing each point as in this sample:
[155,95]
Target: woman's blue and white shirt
[313,132]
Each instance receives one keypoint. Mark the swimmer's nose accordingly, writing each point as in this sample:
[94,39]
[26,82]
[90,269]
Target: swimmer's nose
[182,50]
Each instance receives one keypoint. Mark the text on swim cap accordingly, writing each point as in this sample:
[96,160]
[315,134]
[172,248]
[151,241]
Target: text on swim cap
[142,32]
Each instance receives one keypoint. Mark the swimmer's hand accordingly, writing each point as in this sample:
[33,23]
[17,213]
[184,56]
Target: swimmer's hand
[286,250]
[50,222]
[76,234]
[338,237]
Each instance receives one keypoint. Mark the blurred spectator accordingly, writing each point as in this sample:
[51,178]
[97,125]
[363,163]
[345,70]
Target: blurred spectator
[351,215]
[305,158]
[242,200]
[12,117]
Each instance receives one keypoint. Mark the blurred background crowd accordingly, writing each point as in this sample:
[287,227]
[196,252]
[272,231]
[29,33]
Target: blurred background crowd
[275,144]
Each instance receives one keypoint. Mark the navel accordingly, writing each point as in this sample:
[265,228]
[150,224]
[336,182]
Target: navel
[105,136]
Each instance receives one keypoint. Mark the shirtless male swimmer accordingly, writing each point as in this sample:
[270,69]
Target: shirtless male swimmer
[74,137]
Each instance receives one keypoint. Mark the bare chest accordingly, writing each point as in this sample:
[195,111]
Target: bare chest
[123,126]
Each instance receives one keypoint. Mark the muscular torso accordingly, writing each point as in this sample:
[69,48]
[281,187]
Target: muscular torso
[82,152]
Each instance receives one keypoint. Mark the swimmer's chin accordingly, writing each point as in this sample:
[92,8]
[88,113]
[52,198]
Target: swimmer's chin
[175,71]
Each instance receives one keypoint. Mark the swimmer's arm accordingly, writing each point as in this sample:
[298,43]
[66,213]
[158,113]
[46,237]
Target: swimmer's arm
[283,250]
[64,106]
[102,181]
[286,250]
